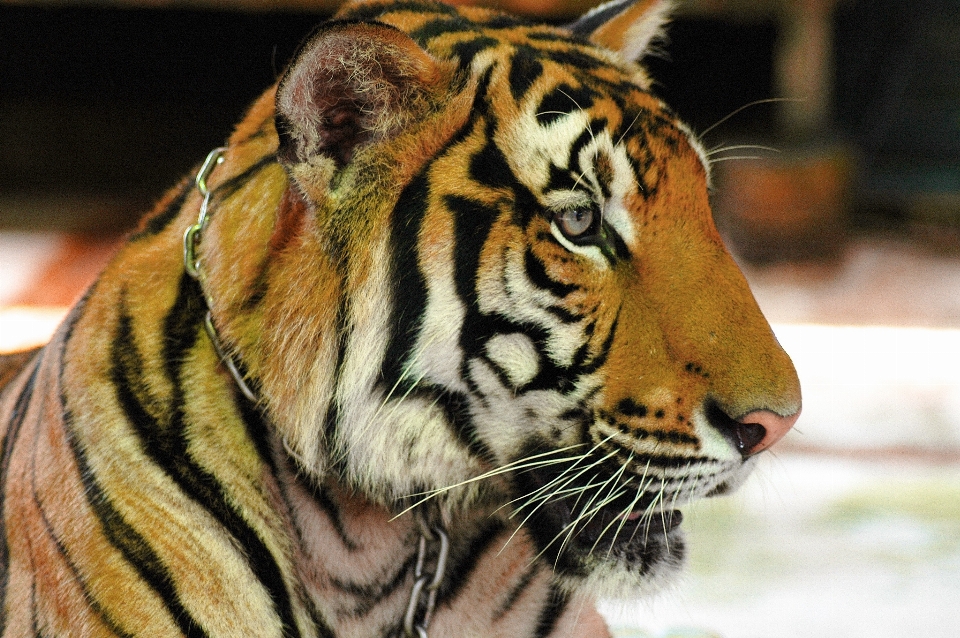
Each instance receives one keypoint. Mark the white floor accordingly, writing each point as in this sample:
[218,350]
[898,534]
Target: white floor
[817,547]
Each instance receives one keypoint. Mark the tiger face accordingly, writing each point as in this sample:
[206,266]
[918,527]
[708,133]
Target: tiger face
[516,294]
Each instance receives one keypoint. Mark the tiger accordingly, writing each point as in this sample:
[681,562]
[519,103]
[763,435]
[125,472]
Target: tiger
[439,343]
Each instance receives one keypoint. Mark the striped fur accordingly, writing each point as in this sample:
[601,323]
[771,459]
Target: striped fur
[467,264]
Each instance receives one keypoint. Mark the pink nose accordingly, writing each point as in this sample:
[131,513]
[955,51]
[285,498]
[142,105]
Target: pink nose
[774,428]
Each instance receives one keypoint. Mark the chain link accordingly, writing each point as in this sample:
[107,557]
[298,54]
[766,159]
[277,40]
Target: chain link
[191,263]
[433,548]
[192,236]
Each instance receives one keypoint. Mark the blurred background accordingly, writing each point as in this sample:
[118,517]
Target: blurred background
[834,127]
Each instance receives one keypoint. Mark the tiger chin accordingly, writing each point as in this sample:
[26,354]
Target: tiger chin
[441,341]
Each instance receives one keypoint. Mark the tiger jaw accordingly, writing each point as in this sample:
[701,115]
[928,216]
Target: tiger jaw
[630,531]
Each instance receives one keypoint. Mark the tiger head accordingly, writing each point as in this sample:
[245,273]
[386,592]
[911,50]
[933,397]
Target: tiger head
[493,277]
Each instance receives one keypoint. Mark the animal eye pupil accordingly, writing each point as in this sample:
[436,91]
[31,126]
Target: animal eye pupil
[575,222]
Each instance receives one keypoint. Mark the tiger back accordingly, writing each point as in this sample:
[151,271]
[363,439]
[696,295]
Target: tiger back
[449,341]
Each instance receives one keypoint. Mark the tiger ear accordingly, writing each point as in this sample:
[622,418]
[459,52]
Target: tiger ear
[629,27]
[349,85]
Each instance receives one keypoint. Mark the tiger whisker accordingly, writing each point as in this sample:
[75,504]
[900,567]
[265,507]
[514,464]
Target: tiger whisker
[586,515]
[735,157]
[535,495]
[647,515]
[530,499]
[587,512]
[593,138]
[609,500]
[548,498]
[555,480]
[663,516]
[546,493]
[771,100]
[525,462]
[636,499]
[740,147]
[388,398]
[627,130]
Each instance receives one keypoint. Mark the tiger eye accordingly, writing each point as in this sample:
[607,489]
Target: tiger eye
[575,222]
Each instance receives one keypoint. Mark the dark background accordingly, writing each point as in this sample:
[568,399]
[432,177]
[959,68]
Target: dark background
[120,103]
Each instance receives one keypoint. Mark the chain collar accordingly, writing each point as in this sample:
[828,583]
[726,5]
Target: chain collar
[191,263]
[432,552]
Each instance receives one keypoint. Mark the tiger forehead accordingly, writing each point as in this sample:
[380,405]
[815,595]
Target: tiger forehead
[549,74]
[554,86]
[576,123]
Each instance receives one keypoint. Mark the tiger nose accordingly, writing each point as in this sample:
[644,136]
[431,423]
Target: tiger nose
[773,427]
[754,431]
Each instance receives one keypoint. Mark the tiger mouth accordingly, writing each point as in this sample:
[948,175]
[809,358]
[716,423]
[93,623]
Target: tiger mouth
[632,527]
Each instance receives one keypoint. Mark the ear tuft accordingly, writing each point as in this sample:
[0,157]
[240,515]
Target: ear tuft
[630,27]
[350,84]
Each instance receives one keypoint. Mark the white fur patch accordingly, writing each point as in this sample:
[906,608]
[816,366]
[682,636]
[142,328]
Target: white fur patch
[516,355]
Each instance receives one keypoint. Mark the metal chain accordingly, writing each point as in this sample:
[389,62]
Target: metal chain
[433,548]
[191,263]
[190,260]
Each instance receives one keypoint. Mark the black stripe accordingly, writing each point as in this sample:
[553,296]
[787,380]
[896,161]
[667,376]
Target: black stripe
[537,273]
[158,223]
[163,439]
[577,59]
[92,602]
[562,314]
[369,595]
[461,568]
[442,25]
[408,304]
[588,367]
[588,135]
[35,620]
[167,446]
[504,21]
[320,623]
[555,605]
[516,591]
[489,166]
[409,283]
[267,126]
[677,438]
[628,457]
[466,51]
[344,331]
[473,221]
[545,33]
[332,511]
[456,406]
[372,11]
[563,179]
[134,547]
[9,442]
[230,186]
[525,69]
[563,100]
